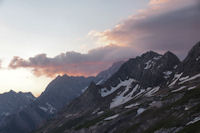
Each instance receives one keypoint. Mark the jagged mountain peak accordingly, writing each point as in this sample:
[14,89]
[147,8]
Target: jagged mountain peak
[194,53]
[11,102]
[150,69]
[12,92]
[64,76]
[104,75]
[191,63]
[149,54]
[169,54]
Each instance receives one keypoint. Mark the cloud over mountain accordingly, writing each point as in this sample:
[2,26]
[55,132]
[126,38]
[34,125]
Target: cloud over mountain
[165,25]
[74,63]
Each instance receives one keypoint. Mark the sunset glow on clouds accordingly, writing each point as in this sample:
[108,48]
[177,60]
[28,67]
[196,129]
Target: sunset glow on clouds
[42,41]
[173,23]
[73,63]
[166,24]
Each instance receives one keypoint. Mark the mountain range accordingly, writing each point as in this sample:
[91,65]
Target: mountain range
[151,93]
[61,91]
[10,102]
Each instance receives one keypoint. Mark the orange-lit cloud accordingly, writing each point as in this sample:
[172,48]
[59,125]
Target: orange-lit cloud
[73,63]
[164,25]
[158,2]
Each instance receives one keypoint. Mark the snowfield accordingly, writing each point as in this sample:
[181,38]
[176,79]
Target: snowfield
[105,92]
[121,99]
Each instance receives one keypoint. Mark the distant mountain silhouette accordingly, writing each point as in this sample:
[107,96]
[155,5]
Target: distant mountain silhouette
[61,91]
[12,102]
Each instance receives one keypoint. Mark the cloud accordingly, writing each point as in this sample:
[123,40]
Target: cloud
[74,63]
[165,25]
[157,2]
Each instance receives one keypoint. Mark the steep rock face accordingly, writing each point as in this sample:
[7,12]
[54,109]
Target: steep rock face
[148,94]
[192,62]
[104,75]
[63,89]
[90,99]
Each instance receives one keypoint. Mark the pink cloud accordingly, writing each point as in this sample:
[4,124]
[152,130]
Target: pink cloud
[73,63]
[164,25]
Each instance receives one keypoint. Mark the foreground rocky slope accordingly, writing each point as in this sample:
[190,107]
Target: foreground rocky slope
[151,93]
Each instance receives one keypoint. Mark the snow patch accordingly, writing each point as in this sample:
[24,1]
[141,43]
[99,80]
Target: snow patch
[184,78]
[101,112]
[121,99]
[43,108]
[49,108]
[192,78]
[194,120]
[95,111]
[140,111]
[99,82]
[181,88]
[175,79]
[111,117]
[191,88]
[105,92]
[149,88]
[141,91]
[156,104]
[131,105]
[149,64]
[83,90]
[175,66]
[152,91]
[167,74]
[157,58]
[198,58]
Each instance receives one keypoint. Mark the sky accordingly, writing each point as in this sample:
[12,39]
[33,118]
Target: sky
[41,39]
